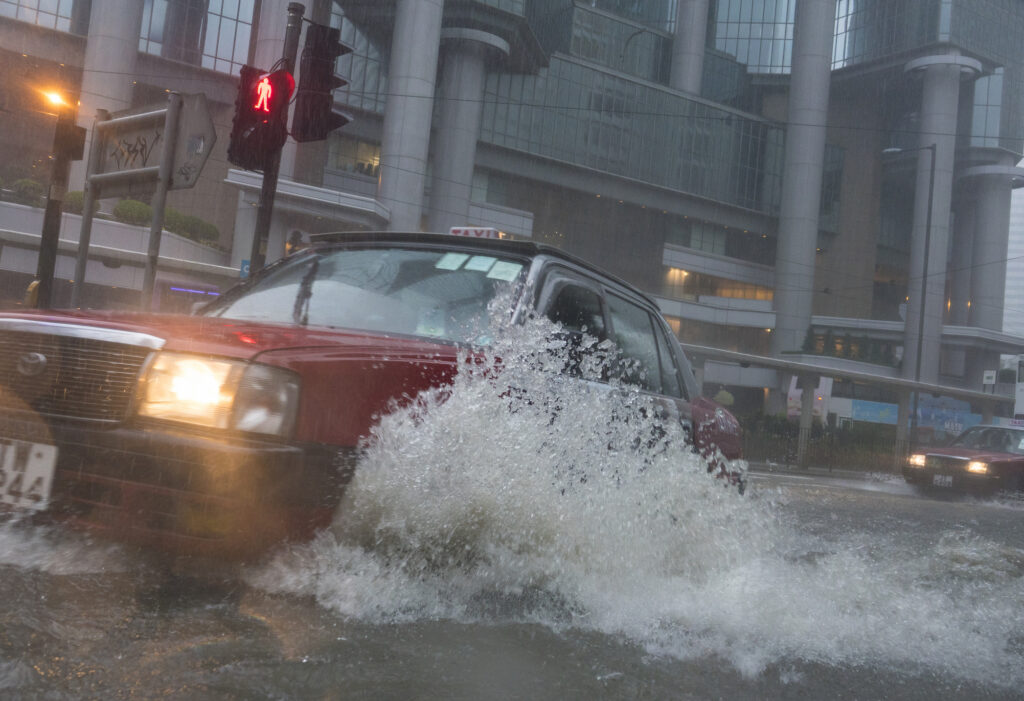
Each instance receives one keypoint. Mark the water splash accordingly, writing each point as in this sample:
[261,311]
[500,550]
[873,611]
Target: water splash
[518,494]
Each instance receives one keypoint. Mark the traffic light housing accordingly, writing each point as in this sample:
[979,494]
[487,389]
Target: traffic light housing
[68,138]
[259,129]
[315,116]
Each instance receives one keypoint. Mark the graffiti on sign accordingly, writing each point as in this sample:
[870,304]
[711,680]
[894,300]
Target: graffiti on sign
[129,151]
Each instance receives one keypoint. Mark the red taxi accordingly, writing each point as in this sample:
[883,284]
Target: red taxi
[982,458]
[234,429]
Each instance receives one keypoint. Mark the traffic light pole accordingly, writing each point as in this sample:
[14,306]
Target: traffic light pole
[258,256]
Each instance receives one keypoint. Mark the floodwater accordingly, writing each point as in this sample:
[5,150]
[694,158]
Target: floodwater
[546,542]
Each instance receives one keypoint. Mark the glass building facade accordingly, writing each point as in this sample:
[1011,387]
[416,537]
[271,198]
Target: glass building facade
[576,113]
[213,34]
[61,15]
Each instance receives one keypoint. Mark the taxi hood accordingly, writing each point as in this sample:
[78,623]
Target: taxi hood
[971,454]
[244,340]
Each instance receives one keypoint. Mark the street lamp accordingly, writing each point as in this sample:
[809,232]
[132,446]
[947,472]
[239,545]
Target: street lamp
[924,278]
[68,142]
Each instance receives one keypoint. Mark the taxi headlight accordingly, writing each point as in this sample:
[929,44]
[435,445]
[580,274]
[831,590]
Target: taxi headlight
[916,460]
[219,393]
[977,467]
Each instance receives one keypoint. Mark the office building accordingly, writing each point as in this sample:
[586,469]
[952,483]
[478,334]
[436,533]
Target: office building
[773,171]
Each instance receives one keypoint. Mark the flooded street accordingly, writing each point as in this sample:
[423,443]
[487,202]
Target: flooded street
[886,595]
[560,556]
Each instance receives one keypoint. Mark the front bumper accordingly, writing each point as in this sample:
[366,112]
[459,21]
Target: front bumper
[953,479]
[185,492]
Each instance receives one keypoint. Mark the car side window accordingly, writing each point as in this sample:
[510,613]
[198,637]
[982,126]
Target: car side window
[578,310]
[634,333]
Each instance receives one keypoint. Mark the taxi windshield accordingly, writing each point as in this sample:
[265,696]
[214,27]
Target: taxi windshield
[429,292]
[1000,440]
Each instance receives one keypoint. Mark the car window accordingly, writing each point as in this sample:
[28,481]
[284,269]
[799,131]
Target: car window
[578,309]
[995,439]
[633,333]
[422,292]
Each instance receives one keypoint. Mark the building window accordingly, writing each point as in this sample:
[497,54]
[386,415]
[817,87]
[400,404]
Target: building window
[355,156]
[214,34]
[53,14]
[707,238]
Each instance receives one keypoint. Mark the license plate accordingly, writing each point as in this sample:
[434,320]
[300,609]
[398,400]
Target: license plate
[942,480]
[26,473]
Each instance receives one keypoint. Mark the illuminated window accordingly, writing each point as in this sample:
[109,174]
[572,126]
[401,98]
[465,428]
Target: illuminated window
[354,155]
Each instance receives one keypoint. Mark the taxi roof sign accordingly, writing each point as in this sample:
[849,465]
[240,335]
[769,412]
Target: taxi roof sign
[477,232]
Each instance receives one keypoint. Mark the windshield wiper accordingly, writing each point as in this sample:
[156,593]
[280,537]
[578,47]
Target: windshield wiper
[300,314]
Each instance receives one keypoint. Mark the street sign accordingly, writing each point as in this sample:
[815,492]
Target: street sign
[132,144]
[196,137]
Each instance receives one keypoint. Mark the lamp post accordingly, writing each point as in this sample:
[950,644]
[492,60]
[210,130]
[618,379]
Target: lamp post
[924,280]
[68,140]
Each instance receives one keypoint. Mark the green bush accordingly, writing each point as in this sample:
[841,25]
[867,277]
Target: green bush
[200,229]
[174,221]
[74,202]
[133,212]
[27,191]
[190,226]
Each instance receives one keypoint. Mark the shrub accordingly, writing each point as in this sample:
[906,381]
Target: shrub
[27,191]
[200,229]
[133,212]
[74,202]
[174,221]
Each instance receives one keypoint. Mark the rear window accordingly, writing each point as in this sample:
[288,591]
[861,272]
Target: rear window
[434,293]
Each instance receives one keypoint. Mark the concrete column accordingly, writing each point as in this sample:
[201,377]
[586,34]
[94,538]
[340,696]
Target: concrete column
[109,67]
[183,28]
[407,112]
[991,236]
[807,121]
[963,252]
[808,386]
[464,71]
[688,45]
[942,76]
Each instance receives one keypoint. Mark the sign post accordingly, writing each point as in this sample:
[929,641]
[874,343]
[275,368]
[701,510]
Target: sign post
[160,148]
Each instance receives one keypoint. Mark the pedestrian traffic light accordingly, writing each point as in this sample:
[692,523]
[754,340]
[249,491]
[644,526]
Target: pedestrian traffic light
[261,112]
[315,116]
[68,138]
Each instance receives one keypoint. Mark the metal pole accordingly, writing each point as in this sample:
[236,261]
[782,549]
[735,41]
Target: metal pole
[258,254]
[924,293]
[50,238]
[92,193]
[163,184]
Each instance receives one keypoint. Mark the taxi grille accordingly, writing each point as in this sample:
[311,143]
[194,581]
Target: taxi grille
[67,376]
[945,464]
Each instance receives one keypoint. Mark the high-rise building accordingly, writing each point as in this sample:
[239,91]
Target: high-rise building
[822,177]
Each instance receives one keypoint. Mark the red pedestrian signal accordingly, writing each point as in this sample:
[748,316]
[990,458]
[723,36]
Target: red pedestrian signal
[259,129]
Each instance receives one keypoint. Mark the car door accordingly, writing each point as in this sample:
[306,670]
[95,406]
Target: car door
[582,304]
[645,358]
